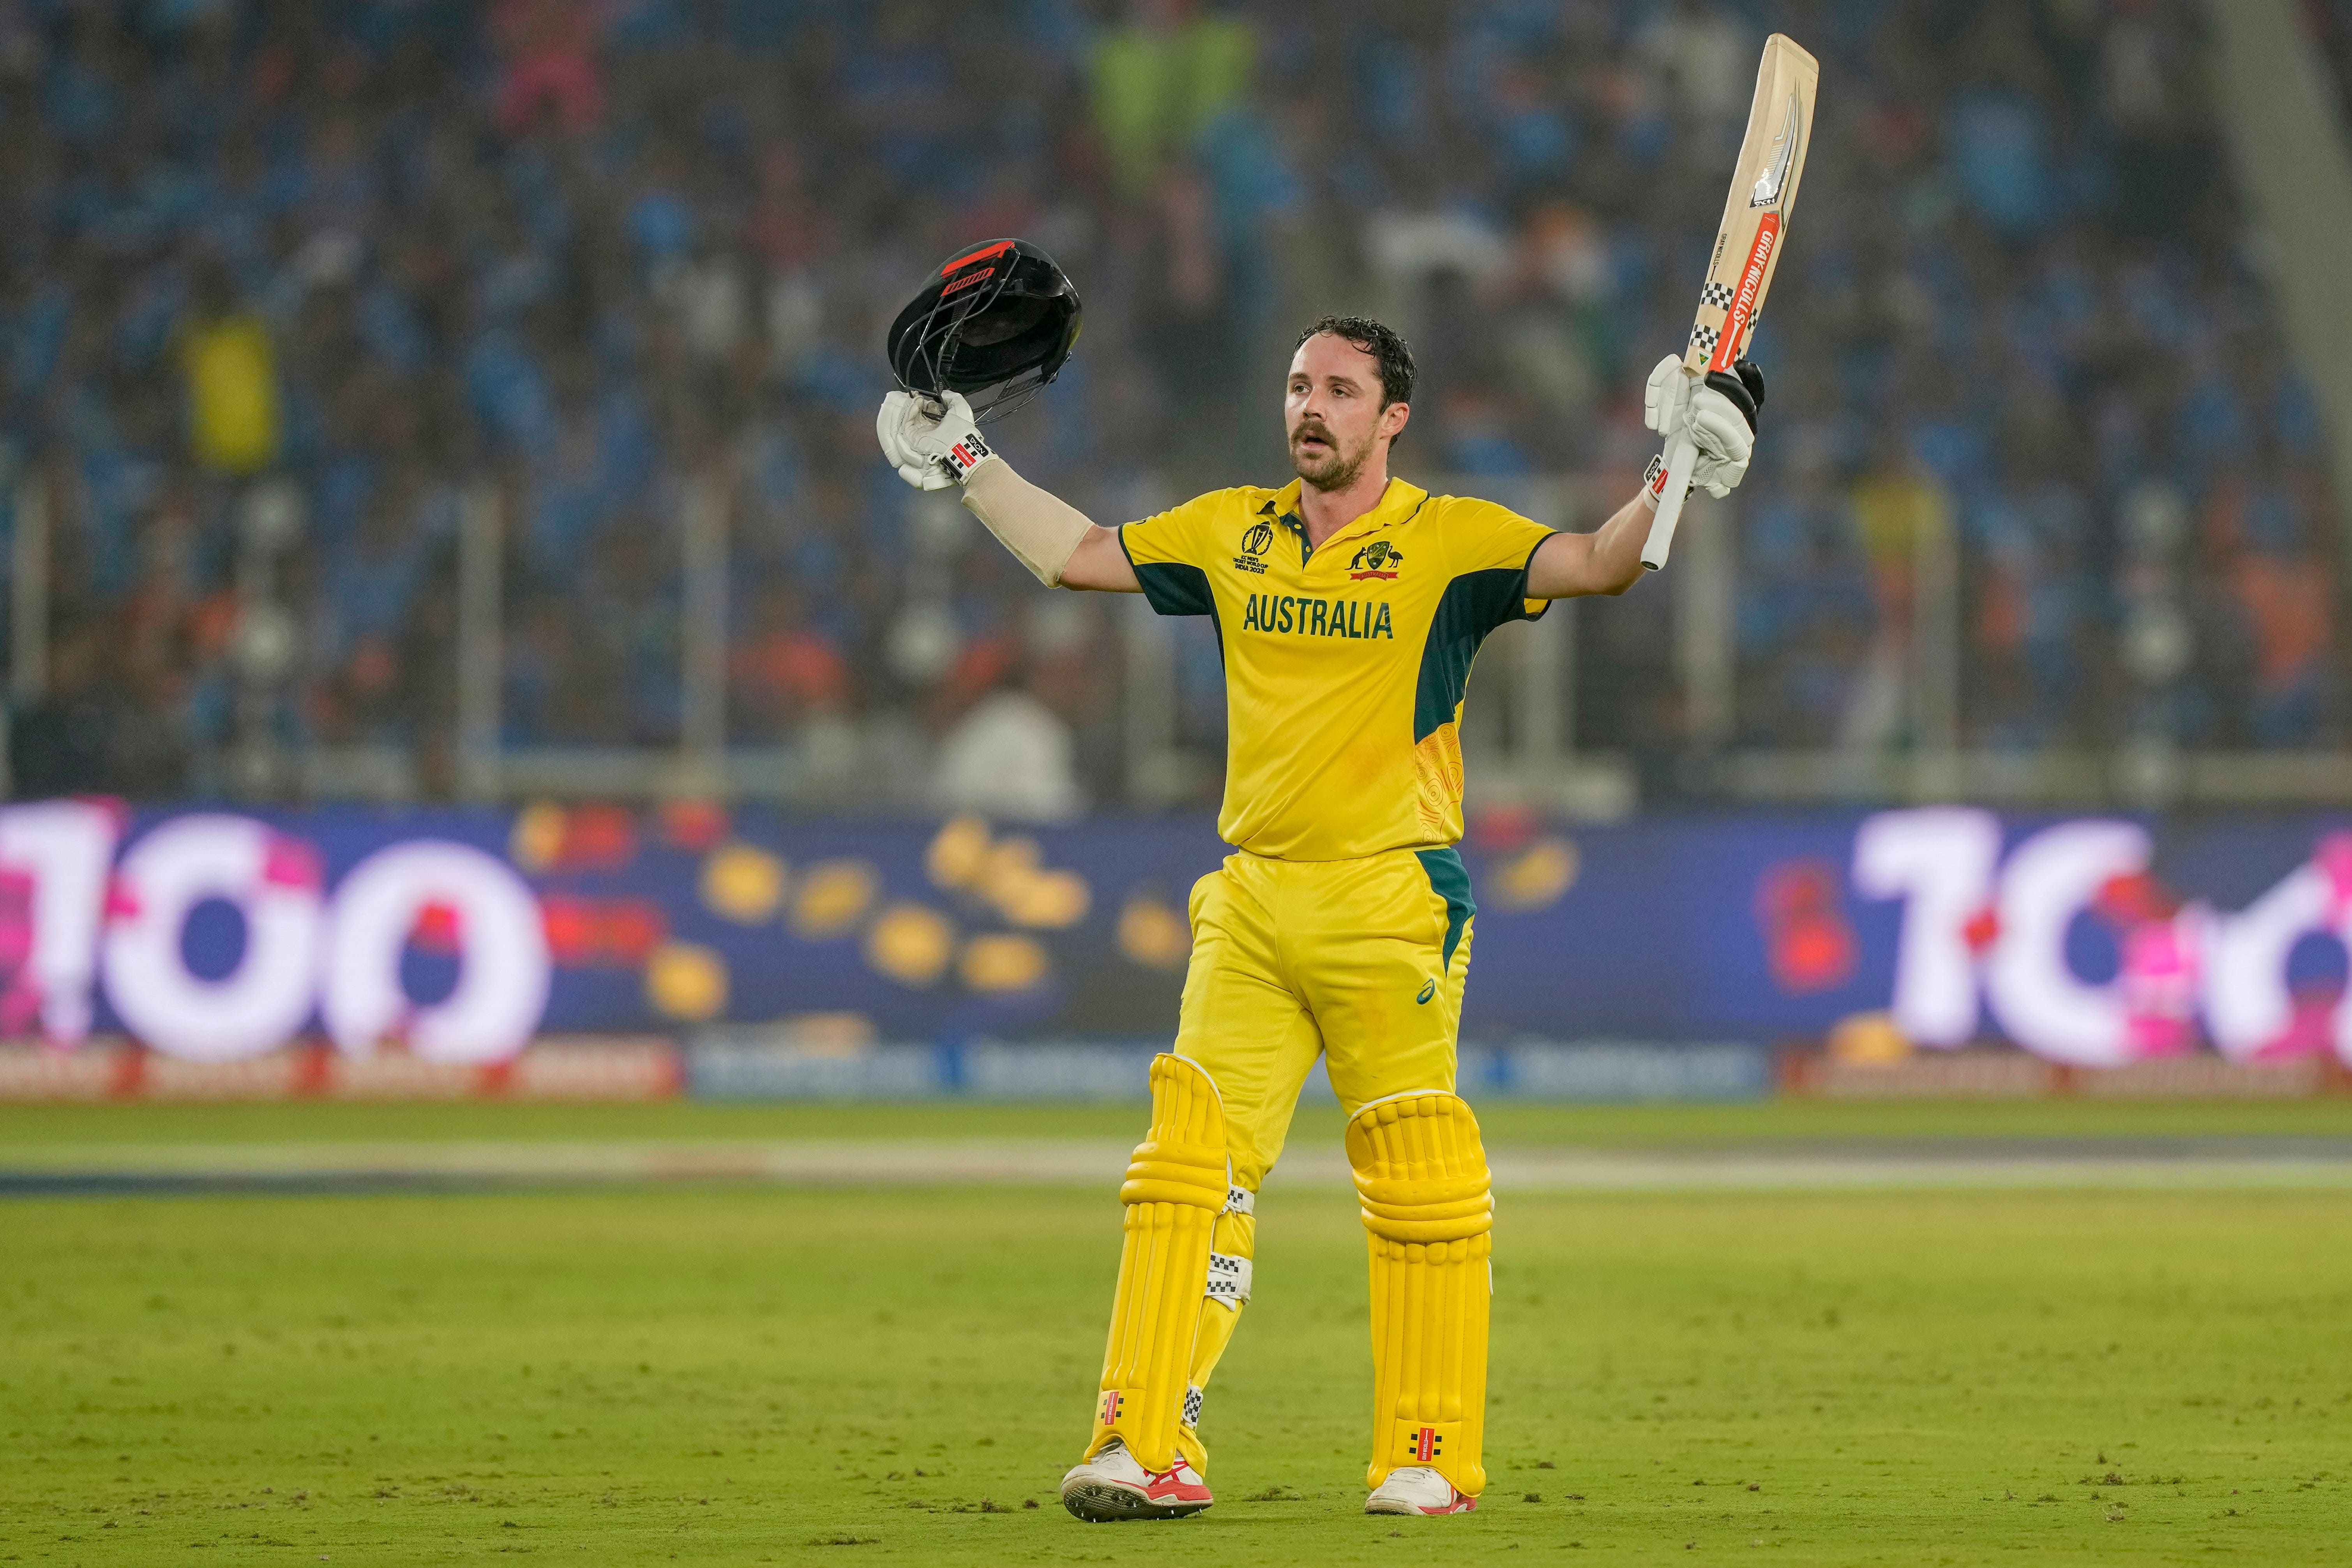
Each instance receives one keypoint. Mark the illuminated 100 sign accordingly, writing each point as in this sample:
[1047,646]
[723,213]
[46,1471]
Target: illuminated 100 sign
[78,919]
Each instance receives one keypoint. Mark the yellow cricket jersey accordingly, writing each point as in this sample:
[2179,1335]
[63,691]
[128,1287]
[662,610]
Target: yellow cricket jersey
[1345,666]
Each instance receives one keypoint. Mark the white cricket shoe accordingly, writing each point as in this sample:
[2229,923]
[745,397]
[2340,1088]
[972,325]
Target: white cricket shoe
[1417,1489]
[1114,1485]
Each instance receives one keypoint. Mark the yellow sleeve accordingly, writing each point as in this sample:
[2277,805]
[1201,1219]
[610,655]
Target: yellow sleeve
[1169,554]
[1491,545]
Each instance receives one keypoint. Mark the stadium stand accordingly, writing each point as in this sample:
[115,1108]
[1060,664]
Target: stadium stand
[588,257]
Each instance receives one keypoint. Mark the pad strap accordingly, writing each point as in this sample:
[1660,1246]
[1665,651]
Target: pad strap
[1192,1416]
[1240,1200]
[1229,1279]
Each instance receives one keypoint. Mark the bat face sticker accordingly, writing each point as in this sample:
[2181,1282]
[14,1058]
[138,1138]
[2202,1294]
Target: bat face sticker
[1776,173]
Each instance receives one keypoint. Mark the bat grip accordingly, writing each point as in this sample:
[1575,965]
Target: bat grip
[1682,456]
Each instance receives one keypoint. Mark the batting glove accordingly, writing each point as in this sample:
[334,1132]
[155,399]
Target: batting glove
[1719,413]
[931,451]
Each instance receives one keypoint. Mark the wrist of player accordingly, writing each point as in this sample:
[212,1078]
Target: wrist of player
[967,454]
[1654,482]
[952,438]
[932,444]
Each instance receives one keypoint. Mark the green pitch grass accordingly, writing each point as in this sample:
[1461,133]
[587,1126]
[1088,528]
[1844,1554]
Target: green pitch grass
[757,1376]
[1504,1122]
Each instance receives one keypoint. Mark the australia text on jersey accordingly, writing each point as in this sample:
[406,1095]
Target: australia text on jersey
[1316,617]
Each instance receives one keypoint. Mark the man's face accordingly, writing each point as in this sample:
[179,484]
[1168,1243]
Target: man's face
[1333,411]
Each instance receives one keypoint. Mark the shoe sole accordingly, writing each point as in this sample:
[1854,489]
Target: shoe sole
[1104,1502]
[1381,1505]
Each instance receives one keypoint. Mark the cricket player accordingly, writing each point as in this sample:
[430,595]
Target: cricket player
[1349,605]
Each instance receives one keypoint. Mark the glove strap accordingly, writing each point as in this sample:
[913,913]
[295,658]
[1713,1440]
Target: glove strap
[967,454]
[1654,482]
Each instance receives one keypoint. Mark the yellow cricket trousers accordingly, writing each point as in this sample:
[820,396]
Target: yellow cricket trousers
[1360,961]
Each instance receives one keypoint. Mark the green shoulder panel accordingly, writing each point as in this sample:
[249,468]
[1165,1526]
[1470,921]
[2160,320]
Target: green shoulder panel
[1472,605]
[1171,587]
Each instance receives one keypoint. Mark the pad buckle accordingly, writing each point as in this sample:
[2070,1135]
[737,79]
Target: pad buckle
[1229,1279]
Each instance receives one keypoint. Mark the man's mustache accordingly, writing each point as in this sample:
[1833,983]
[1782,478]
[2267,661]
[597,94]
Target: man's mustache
[1318,431]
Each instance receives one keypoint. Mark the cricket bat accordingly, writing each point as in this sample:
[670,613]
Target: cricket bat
[1747,247]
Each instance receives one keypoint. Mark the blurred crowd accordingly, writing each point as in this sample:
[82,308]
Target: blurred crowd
[582,266]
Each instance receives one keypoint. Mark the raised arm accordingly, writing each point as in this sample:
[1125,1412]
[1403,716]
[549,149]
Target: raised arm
[1720,415]
[1050,536]
[1570,565]
[1098,562]
[1055,541]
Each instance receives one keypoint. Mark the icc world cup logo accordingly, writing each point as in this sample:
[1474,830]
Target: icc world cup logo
[1259,539]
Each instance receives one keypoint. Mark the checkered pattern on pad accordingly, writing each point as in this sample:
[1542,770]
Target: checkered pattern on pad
[1229,1279]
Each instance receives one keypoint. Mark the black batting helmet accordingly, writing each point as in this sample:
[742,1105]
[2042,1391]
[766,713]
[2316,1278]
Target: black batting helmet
[994,323]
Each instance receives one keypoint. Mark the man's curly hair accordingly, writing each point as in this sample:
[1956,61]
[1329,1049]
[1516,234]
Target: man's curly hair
[1398,372]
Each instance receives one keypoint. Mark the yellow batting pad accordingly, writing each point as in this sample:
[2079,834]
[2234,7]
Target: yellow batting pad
[1175,1189]
[1428,1201]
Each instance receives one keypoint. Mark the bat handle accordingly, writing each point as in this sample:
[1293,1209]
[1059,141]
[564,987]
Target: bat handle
[1682,456]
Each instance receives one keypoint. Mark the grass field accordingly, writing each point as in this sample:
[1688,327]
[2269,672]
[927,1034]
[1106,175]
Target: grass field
[1506,1124]
[745,1375]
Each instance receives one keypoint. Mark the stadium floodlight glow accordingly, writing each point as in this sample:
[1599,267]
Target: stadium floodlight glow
[996,322]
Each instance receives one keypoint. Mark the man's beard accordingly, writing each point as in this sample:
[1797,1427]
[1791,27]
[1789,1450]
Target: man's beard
[1336,470]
